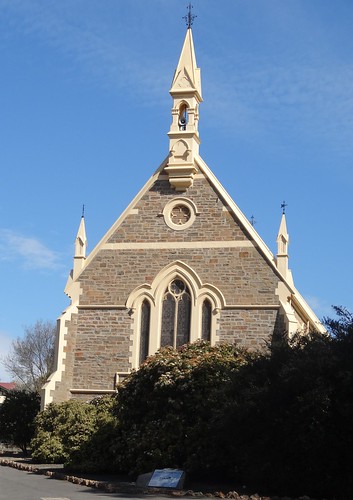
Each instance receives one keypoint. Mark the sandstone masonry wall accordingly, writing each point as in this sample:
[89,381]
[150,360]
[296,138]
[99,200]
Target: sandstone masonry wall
[99,337]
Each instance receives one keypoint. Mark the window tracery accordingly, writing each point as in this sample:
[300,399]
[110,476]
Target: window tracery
[176,308]
[176,312]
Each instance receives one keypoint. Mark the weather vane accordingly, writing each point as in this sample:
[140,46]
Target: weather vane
[189,18]
[252,220]
[283,207]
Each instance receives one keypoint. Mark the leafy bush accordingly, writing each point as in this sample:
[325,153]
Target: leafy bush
[277,418]
[17,414]
[63,428]
[288,427]
[96,453]
[279,421]
[168,411]
[274,420]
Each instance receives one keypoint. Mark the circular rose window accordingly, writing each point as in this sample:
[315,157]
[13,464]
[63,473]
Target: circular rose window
[179,213]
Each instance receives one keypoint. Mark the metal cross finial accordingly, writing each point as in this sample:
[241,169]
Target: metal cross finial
[283,207]
[189,18]
[252,220]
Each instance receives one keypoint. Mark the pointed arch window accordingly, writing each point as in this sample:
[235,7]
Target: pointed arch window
[176,314]
[175,309]
[206,320]
[144,330]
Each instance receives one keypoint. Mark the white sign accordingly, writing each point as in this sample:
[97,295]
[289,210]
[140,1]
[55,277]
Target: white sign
[166,478]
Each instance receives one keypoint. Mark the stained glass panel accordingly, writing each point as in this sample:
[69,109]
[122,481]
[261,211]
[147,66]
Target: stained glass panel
[144,330]
[206,320]
[177,287]
[183,321]
[168,316]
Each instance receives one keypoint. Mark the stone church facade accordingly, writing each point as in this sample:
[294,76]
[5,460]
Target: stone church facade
[181,263]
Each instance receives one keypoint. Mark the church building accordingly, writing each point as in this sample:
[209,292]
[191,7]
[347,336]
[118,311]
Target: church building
[181,263]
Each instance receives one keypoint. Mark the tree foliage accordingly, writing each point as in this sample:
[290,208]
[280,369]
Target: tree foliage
[31,358]
[96,453]
[289,424]
[17,414]
[63,428]
[169,409]
[279,421]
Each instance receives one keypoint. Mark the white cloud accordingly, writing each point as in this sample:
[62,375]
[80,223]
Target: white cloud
[307,93]
[97,50]
[31,251]
[321,307]
[307,100]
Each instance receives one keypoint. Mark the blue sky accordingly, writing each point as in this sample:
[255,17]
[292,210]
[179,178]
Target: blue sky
[85,109]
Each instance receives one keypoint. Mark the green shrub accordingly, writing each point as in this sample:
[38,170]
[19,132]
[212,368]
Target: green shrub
[168,410]
[63,428]
[96,453]
[288,428]
[274,428]
[279,421]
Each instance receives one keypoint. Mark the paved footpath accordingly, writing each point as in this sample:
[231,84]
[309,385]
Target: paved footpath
[21,485]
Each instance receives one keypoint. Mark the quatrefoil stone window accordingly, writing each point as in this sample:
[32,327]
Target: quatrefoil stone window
[179,213]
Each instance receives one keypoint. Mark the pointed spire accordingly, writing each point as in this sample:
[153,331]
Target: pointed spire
[81,240]
[80,247]
[282,247]
[187,76]
[283,235]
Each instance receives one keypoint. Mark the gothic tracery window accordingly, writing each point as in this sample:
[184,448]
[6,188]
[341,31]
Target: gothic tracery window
[176,313]
[174,310]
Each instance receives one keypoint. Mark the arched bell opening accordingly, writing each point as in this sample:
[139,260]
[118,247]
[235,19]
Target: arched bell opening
[183,116]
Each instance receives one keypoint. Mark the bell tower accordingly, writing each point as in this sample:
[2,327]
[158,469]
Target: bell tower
[184,138]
